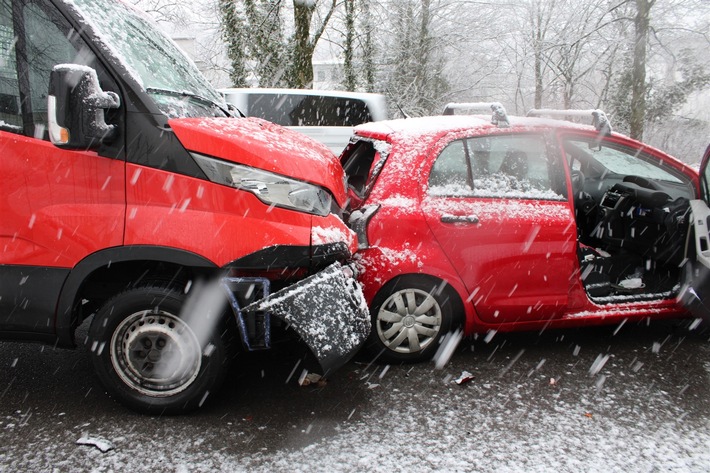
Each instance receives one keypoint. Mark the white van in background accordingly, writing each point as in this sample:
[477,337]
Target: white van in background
[325,115]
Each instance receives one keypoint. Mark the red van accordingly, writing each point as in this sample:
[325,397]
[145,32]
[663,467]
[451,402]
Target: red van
[127,185]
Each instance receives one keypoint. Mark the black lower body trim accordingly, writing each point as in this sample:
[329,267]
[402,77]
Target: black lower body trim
[28,301]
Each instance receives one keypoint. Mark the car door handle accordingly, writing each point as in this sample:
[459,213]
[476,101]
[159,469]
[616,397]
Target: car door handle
[459,218]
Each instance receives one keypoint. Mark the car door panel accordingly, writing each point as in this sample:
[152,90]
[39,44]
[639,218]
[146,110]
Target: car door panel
[511,238]
[695,295]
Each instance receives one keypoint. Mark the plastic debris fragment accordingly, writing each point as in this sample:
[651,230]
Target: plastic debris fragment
[312,378]
[101,444]
[464,378]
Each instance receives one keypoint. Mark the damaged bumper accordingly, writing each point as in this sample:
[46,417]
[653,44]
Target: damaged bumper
[327,310]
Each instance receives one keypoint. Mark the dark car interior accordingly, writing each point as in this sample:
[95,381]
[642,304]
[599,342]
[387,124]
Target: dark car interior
[632,228]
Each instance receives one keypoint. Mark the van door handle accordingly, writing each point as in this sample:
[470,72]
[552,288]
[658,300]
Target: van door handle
[459,219]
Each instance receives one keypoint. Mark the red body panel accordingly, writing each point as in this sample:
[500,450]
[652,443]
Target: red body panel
[261,144]
[517,267]
[217,222]
[57,206]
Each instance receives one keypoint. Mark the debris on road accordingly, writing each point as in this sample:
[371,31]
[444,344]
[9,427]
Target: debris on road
[308,379]
[101,444]
[464,378]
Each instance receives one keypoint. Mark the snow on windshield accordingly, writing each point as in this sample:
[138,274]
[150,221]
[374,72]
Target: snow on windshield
[149,56]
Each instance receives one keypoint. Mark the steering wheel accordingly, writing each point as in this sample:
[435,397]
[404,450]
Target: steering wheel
[577,178]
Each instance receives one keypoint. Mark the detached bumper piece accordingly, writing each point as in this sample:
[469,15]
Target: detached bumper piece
[327,310]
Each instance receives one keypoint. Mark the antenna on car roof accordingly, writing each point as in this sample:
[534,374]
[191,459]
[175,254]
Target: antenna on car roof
[396,103]
[500,116]
[599,118]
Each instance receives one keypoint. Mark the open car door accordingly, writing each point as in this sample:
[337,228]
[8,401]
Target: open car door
[695,294]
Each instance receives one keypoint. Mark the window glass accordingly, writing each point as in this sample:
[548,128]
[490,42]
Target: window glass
[616,159]
[308,110]
[10,115]
[47,46]
[513,166]
[152,59]
[449,175]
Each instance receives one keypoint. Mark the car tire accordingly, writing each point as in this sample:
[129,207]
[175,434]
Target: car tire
[149,358]
[410,315]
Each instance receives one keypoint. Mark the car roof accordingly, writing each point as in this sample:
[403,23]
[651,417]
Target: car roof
[430,128]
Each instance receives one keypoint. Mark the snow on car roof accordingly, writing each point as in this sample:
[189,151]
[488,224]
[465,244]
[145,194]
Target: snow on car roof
[405,129]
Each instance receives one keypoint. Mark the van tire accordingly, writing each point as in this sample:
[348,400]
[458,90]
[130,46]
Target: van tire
[131,340]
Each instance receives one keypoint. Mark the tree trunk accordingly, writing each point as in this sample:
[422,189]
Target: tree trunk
[537,51]
[369,48]
[348,67]
[302,75]
[638,72]
[232,34]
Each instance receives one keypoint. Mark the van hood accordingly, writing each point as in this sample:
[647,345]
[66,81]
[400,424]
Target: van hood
[264,145]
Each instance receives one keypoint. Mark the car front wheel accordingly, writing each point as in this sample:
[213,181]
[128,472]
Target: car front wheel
[409,316]
[150,358]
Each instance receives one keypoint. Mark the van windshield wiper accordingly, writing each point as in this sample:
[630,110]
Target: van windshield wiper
[191,95]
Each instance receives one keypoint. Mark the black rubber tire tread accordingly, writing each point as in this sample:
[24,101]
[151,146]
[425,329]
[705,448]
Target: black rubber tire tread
[451,315]
[214,365]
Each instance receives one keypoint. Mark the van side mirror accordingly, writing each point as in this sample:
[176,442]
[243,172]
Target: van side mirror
[76,108]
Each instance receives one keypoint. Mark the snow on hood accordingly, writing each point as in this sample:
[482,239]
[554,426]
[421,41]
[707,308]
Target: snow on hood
[264,145]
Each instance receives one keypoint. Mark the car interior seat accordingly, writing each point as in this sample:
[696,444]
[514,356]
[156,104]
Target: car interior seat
[515,164]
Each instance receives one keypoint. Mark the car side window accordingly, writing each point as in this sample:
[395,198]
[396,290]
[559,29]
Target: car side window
[33,39]
[511,166]
[48,41]
[308,110]
[450,175]
[10,115]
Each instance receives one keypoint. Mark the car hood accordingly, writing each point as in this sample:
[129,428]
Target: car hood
[264,145]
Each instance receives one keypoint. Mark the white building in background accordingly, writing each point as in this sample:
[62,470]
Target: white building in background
[327,74]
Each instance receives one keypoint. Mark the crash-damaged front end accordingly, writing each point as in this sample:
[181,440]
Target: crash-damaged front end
[283,201]
[327,310]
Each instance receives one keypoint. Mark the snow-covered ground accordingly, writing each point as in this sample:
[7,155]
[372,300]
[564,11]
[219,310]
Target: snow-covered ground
[588,400]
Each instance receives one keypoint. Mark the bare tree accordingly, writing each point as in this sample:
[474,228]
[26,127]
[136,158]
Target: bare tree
[232,25]
[304,43]
[638,71]
[350,81]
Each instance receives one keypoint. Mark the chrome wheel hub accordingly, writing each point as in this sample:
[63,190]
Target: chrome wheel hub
[155,353]
[409,320]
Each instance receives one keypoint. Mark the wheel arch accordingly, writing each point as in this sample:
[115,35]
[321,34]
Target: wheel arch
[380,270]
[102,273]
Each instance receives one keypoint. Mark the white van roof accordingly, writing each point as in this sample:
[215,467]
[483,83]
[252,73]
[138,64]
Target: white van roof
[376,102]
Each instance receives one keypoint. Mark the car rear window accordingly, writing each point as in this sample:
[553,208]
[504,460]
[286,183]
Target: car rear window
[308,110]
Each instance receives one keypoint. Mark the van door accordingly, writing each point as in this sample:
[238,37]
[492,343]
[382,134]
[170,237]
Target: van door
[56,206]
[695,295]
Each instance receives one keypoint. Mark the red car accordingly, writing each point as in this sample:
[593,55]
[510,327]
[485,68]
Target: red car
[518,223]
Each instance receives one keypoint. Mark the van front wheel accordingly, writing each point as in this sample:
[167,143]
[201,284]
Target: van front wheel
[151,359]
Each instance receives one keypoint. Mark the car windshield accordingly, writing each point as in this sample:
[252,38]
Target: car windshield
[620,160]
[152,59]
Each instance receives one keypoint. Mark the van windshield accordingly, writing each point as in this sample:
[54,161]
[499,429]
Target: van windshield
[152,59]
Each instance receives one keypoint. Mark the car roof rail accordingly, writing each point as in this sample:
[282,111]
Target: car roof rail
[500,117]
[599,118]
[451,107]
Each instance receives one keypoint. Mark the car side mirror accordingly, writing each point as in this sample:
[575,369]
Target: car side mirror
[76,106]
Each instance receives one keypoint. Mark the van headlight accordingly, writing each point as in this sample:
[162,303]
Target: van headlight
[270,188]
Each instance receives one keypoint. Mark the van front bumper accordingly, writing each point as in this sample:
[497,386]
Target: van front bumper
[327,310]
